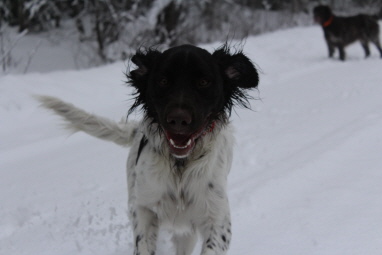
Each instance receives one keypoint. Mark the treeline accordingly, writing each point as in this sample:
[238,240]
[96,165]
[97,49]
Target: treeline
[112,27]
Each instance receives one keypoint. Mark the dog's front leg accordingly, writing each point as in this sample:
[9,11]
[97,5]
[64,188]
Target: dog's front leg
[145,231]
[341,49]
[330,49]
[217,237]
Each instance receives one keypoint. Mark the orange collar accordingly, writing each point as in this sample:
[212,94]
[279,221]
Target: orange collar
[328,22]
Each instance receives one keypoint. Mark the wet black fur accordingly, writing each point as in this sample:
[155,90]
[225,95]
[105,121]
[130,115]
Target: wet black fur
[343,31]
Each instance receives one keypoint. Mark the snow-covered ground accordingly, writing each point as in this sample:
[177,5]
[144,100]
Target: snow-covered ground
[307,172]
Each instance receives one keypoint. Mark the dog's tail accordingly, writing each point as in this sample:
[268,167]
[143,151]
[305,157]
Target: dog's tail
[79,120]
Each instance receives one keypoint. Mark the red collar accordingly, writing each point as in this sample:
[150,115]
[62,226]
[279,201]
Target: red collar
[210,128]
[328,22]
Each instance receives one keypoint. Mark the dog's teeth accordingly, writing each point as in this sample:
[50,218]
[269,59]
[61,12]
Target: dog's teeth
[180,147]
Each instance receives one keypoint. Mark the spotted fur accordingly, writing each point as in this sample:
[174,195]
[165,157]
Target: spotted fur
[186,194]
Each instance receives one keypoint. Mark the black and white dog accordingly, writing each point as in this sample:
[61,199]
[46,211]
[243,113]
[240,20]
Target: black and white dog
[181,152]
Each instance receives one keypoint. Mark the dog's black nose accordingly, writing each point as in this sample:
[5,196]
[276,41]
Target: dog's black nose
[179,119]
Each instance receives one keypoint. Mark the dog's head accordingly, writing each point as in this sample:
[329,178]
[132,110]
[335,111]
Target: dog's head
[322,13]
[186,90]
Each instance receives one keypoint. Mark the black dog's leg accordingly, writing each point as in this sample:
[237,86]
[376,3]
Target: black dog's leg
[365,46]
[341,50]
[330,49]
[378,45]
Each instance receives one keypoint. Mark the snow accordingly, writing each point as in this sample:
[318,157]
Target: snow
[44,51]
[306,177]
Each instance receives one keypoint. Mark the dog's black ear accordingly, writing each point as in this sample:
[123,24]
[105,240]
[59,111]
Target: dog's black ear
[239,75]
[237,68]
[144,61]
[138,78]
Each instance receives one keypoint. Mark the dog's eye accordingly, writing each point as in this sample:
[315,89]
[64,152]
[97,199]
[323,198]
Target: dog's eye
[163,82]
[204,83]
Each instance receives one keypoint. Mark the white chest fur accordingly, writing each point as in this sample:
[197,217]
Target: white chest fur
[182,196]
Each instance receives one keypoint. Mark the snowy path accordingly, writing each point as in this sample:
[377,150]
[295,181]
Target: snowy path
[307,173]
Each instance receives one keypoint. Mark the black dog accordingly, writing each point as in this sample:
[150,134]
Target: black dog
[342,31]
[181,151]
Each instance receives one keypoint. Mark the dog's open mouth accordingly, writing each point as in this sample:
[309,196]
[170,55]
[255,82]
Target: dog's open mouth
[181,145]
